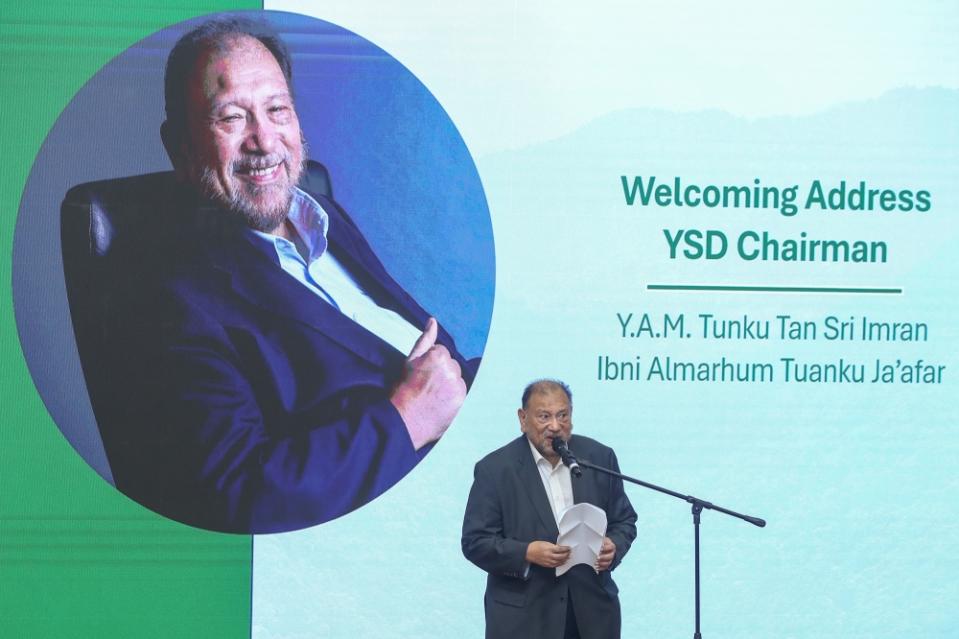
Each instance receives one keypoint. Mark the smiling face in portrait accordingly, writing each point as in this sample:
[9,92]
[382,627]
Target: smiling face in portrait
[547,415]
[245,148]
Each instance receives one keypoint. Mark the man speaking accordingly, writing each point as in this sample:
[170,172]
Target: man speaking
[511,525]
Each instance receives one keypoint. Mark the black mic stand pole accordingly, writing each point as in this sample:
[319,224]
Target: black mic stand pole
[698,505]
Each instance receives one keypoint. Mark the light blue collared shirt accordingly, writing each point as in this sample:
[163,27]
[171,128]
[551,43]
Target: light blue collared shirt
[322,274]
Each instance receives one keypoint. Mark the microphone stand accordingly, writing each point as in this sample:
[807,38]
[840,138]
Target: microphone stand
[697,506]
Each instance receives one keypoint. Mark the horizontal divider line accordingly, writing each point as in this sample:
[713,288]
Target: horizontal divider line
[773,289]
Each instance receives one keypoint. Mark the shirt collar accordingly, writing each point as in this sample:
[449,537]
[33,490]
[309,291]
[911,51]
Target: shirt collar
[311,223]
[538,456]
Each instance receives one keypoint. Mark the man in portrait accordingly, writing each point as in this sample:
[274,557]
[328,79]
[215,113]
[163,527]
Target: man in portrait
[258,369]
[510,528]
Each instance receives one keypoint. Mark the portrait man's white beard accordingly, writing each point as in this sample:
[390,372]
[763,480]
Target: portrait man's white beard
[263,207]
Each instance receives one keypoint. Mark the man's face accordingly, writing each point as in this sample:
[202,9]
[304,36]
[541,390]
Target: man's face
[244,148]
[547,416]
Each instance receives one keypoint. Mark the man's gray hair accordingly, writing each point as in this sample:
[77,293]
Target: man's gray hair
[542,385]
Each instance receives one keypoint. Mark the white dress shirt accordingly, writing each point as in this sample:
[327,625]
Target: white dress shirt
[557,482]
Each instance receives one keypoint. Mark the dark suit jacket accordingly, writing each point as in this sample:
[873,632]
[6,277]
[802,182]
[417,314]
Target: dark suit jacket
[232,398]
[507,509]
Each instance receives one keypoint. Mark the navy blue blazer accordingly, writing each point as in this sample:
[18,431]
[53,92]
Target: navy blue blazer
[234,399]
[507,509]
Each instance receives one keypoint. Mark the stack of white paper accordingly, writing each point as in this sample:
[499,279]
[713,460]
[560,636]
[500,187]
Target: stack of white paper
[582,528]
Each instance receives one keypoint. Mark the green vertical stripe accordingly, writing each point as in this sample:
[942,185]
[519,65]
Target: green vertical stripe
[77,559]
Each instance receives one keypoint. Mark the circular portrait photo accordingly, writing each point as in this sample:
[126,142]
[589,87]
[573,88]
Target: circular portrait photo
[253,272]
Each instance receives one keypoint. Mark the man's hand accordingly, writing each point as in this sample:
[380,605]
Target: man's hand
[547,555]
[606,554]
[431,390]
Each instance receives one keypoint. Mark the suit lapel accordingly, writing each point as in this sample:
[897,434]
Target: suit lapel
[251,275]
[532,484]
[349,246]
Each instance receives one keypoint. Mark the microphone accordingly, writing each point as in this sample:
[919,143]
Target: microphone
[567,456]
